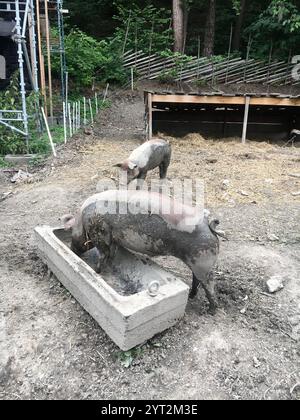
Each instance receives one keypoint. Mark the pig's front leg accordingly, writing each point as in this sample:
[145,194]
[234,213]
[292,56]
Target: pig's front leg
[195,287]
[142,175]
[103,252]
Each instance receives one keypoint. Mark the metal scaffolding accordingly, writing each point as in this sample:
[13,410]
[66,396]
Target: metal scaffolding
[21,9]
[26,23]
[63,64]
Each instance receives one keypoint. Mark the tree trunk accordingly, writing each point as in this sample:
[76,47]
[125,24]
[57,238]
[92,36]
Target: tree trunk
[178,26]
[209,39]
[238,26]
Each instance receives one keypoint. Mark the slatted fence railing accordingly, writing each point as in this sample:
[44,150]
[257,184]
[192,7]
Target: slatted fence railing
[226,70]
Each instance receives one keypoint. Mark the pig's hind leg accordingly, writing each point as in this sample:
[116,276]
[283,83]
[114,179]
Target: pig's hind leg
[209,287]
[164,166]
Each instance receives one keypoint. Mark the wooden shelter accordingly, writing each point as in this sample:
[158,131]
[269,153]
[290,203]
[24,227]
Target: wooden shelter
[252,116]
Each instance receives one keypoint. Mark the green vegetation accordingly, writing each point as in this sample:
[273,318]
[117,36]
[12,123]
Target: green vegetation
[12,142]
[3,164]
[98,61]
[147,28]
[148,24]
[99,31]
[128,357]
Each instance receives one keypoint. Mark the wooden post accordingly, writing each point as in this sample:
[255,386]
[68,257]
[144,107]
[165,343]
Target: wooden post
[79,112]
[49,59]
[73,121]
[49,133]
[67,87]
[76,116]
[70,119]
[132,79]
[106,93]
[150,117]
[96,102]
[246,116]
[84,111]
[91,111]
[127,32]
[229,52]
[32,50]
[65,122]
[41,57]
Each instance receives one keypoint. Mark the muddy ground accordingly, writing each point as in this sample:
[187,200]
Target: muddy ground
[51,349]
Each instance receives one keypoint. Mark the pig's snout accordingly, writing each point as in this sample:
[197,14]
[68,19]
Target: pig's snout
[68,221]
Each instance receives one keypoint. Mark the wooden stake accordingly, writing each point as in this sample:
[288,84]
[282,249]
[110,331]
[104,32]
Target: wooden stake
[79,108]
[132,79]
[49,59]
[150,46]
[91,111]
[96,102]
[150,117]
[246,116]
[41,58]
[76,116]
[106,93]
[199,54]
[127,32]
[43,79]
[229,52]
[67,87]
[32,51]
[49,133]
[70,119]
[65,122]
[269,65]
[84,111]
[73,121]
[248,56]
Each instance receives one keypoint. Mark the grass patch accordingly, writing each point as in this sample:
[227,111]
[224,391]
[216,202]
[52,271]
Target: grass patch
[4,164]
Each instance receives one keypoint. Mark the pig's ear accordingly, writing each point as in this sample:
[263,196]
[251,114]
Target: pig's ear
[118,165]
[68,221]
[132,166]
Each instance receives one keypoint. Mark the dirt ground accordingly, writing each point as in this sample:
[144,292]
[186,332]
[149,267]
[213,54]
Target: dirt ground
[51,349]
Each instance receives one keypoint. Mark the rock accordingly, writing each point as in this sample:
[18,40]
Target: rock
[273,238]
[256,362]
[21,176]
[4,196]
[244,193]
[88,131]
[296,194]
[225,184]
[275,284]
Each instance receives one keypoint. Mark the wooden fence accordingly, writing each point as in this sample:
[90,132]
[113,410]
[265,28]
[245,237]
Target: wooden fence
[226,71]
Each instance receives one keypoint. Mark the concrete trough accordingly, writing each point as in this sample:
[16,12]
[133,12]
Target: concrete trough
[132,301]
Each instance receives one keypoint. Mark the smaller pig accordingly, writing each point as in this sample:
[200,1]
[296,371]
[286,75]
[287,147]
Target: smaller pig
[150,155]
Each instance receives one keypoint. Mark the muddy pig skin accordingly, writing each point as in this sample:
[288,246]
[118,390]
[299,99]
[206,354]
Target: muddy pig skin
[152,224]
[150,155]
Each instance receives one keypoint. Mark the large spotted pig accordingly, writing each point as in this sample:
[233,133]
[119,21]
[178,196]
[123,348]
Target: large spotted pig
[152,224]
